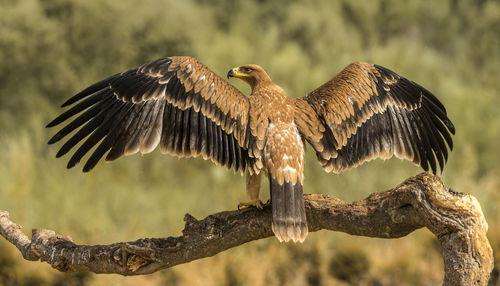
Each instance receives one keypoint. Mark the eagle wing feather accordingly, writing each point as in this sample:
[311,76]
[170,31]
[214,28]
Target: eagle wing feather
[175,102]
[366,112]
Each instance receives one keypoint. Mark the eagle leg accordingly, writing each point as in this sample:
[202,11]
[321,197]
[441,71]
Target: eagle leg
[255,203]
[253,190]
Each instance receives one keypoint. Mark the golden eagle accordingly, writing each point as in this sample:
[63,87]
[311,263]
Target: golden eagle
[364,112]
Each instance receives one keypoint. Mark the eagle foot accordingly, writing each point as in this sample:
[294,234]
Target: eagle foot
[256,203]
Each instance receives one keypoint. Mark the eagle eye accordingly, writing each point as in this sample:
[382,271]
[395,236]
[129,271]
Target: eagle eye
[247,70]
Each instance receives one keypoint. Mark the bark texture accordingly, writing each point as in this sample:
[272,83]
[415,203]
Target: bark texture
[421,201]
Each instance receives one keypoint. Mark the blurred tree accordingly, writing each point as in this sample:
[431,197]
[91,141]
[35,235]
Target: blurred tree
[50,49]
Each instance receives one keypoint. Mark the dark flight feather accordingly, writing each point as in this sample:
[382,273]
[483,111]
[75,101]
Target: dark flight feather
[368,111]
[157,104]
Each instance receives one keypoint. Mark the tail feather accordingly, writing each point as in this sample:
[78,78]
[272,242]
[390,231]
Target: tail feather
[289,216]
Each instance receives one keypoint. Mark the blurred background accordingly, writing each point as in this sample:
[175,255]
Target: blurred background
[51,49]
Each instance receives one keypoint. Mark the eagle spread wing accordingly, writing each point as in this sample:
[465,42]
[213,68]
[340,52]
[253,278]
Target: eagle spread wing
[364,112]
[175,102]
[367,112]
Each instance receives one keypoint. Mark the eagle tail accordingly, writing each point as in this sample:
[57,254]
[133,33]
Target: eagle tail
[289,215]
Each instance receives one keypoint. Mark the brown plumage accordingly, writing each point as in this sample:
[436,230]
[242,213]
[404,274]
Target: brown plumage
[364,112]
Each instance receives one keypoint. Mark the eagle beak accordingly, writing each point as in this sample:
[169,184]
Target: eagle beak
[232,73]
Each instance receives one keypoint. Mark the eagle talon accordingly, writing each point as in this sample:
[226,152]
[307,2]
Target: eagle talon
[257,203]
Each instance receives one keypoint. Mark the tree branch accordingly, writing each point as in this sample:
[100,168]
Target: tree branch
[421,201]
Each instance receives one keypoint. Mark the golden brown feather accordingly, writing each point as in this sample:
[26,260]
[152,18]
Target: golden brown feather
[369,112]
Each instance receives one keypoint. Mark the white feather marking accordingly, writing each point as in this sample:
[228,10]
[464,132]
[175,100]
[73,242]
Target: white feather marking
[151,138]
[161,95]
[150,144]
[163,81]
[351,101]
[289,169]
[297,135]
[129,150]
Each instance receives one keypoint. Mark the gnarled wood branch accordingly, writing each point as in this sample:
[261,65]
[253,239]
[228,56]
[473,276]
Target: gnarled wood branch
[421,201]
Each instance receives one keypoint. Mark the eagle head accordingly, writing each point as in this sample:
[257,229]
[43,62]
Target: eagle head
[251,74]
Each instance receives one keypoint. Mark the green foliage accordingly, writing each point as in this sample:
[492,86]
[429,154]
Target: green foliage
[50,49]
